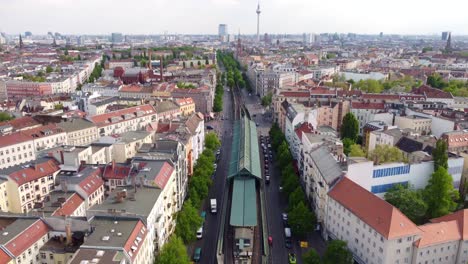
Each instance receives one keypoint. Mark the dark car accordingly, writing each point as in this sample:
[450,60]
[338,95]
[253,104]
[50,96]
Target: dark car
[209,127]
[197,255]
[287,243]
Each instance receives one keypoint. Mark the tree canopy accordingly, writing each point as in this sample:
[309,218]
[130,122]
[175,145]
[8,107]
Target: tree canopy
[410,202]
[350,127]
[356,150]
[173,252]
[212,142]
[439,155]
[188,221]
[301,219]
[337,253]
[439,194]
[4,116]
[311,257]
[385,154]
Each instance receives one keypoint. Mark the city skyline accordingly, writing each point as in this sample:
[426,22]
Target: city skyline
[278,17]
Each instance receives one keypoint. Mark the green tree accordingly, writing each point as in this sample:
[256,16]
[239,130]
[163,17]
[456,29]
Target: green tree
[337,253]
[301,219]
[439,155]
[369,86]
[385,154]
[58,106]
[426,49]
[311,257]
[207,62]
[290,182]
[49,69]
[410,202]
[436,81]
[347,143]
[191,64]
[212,142]
[173,252]
[4,116]
[267,99]
[356,150]
[350,127]
[187,222]
[296,197]
[439,194]
[66,52]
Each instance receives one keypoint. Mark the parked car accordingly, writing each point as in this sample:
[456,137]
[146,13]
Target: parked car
[285,216]
[270,240]
[209,127]
[267,179]
[200,233]
[287,243]
[197,255]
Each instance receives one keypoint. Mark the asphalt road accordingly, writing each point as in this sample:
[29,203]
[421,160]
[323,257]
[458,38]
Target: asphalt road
[212,222]
[276,202]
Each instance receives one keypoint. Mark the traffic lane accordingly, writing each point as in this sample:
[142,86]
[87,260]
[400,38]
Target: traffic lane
[212,224]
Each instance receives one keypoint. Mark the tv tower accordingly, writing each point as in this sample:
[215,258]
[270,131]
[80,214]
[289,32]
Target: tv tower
[258,22]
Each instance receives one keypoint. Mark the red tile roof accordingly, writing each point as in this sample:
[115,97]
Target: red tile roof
[21,123]
[438,233]
[27,238]
[70,206]
[381,96]
[163,175]
[13,139]
[430,92]
[323,91]
[377,213]
[39,132]
[131,88]
[92,182]
[139,231]
[305,94]
[104,119]
[34,172]
[376,106]
[462,219]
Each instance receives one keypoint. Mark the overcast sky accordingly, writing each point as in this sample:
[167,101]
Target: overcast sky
[203,16]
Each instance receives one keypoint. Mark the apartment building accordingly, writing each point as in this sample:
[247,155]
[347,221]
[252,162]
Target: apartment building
[167,110]
[417,123]
[366,112]
[321,172]
[64,204]
[332,113]
[79,131]
[296,114]
[386,136]
[28,184]
[22,238]
[378,179]
[16,148]
[87,182]
[196,126]
[152,198]
[186,106]
[126,145]
[456,140]
[20,89]
[129,119]
[73,156]
[374,230]
[116,240]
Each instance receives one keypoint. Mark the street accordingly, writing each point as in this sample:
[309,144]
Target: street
[212,222]
[276,203]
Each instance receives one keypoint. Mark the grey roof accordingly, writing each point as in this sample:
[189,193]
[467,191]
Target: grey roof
[10,170]
[137,204]
[326,164]
[13,226]
[75,124]
[103,226]
[165,106]
[105,101]
[132,136]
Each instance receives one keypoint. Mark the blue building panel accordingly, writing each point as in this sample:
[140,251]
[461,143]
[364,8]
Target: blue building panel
[391,171]
[385,187]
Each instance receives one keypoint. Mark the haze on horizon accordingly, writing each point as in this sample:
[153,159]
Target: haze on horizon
[203,16]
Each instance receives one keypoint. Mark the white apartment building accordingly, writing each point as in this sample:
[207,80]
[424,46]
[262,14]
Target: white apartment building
[111,90]
[129,119]
[380,178]
[127,144]
[367,112]
[87,183]
[153,200]
[79,131]
[16,148]
[417,123]
[439,124]
[297,114]
[28,184]
[387,136]
[196,125]
[375,231]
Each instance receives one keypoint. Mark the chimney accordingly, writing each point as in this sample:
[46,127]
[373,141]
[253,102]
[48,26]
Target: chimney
[62,159]
[385,128]
[113,166]
[68,233]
